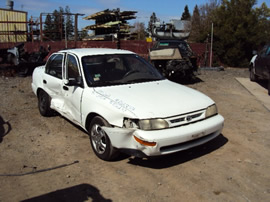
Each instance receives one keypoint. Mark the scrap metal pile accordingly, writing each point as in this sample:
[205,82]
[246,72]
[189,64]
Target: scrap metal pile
[21,61]
[111,24]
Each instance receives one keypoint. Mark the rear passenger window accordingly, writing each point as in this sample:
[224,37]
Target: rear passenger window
[54,66]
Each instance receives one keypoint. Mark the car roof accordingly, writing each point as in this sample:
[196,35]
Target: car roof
[95,51]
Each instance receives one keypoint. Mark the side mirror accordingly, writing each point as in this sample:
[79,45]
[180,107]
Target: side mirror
[74,81]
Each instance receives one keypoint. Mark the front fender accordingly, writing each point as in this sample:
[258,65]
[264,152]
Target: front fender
[94,103]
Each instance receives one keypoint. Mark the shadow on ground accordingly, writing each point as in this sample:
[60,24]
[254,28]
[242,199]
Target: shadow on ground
[78,193]
[182,156]
[186,81]
[263,83]
[5,128]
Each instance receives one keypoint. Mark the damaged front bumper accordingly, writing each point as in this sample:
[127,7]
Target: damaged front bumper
[166,141]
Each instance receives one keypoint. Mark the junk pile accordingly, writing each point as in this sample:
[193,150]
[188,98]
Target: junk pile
[110,24]
[17,60]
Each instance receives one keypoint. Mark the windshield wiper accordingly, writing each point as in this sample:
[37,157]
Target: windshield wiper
[142,80]
[107,83]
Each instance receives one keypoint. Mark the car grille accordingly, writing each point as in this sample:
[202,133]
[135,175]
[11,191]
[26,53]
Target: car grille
[185,119]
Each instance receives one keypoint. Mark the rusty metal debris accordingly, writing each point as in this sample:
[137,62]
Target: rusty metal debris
[171,54]
[17,59]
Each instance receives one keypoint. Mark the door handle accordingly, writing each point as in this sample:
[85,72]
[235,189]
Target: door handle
[65,88]
[44,81]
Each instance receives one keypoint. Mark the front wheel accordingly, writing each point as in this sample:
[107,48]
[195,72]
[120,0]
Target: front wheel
[100,141]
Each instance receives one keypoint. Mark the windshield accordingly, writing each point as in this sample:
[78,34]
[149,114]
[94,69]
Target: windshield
[184,48]
[104,70]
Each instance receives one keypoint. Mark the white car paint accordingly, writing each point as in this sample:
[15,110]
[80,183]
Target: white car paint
[253,59]
[147,100]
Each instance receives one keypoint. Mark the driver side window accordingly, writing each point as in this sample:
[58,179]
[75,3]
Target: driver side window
[72,67]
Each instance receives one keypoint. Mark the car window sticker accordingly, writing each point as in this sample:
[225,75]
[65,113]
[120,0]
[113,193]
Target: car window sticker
[97,77]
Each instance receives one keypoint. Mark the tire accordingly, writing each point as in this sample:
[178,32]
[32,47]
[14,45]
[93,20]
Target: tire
[269,86]
[44,102]
[100,141]
[252,75]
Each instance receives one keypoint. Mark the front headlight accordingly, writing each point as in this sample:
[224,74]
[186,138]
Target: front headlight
[153,124]
[211,111]
[146,124]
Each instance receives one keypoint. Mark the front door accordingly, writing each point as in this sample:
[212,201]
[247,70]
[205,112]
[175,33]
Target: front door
[72,94]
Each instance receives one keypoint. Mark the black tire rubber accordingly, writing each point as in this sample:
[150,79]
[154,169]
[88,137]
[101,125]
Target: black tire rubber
[252,76]
[108,153]
[269,86]
[44,102]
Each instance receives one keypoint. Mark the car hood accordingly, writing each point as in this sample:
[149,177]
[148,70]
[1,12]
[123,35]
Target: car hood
[154,99]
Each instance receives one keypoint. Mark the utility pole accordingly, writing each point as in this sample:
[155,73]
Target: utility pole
[66,32]
[211,50]
[118,28]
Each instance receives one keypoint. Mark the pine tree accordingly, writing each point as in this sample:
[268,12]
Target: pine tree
[186,14]
[56,26]
[195,25]
[61,23]
[69,23]
[48,27]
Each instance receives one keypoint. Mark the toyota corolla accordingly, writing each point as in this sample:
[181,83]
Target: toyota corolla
[124,103]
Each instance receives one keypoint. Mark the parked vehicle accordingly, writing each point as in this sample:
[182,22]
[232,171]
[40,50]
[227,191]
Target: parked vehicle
[260,66]
[124,103]
[174,58]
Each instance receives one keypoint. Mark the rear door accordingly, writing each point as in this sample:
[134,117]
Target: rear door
[53,80]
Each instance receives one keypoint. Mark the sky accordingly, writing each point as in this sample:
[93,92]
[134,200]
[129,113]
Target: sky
[164,9]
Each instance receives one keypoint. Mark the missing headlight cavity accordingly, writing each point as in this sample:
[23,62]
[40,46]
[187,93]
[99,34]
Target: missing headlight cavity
[128,123]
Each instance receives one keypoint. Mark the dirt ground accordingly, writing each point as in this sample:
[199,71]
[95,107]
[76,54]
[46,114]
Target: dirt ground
[50,159]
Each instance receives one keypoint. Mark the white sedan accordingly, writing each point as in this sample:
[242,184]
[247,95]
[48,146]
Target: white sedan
[124,103]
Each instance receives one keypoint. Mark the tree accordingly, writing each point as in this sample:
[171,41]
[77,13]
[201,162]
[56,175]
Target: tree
[206,19]
[235,32]
[195,25]
[61,22]
[69,23]
[48,27]
[263,24]
[139,30]
[153,20]
[56,24]
[186,14]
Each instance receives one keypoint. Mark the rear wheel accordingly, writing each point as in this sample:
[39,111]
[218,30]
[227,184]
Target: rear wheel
[44,102]
[100,141]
